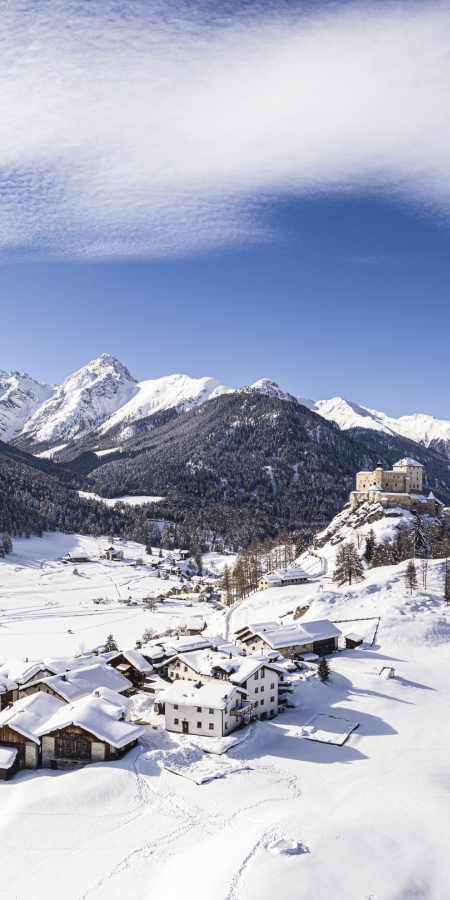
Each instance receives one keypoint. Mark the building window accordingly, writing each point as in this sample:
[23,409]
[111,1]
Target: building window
[177,675]
[263,674]
[211,726]
[262,688]
[272,699]
[256,703]
[185,668]
[225,726]
[272,686]
[256,676]
[199,709]
[175,721]
[272,712]
[175,705]
[199,724]
[211,712]
[256,690]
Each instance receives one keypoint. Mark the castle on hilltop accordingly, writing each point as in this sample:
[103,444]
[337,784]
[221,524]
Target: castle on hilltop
[400,486]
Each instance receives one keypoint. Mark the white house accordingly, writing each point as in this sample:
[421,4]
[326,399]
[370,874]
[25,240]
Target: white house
[282,578]
[258,677]
[212,710]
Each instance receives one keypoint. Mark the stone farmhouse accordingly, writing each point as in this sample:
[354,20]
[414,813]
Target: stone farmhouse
[400,486]
[282,578]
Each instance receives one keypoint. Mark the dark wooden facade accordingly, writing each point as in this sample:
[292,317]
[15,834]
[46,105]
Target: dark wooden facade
[28,751]
[74,744]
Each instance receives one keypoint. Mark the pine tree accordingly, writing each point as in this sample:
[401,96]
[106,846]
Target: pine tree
[348,565]
[370,546]
[411,576]
[447,582]
[323,670]
[148,549]
[110,644]
[7,543]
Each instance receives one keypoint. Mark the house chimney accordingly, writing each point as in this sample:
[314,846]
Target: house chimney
[95,652]
[96,693]
[63,678]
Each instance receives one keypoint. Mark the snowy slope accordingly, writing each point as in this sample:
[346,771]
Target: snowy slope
[178,392]
[82,402]
[20,397]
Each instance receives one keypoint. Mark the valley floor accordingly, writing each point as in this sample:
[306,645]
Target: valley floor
[370,817]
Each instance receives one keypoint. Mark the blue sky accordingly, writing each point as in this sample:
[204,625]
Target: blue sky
[264,197]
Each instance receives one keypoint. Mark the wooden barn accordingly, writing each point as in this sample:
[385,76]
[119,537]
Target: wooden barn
[19,724]
[94,729]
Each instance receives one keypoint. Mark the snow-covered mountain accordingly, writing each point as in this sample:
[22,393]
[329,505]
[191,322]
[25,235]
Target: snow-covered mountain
[83,401]
[419,427]
[178,392]
[103,396]
[20,397]
[267,387]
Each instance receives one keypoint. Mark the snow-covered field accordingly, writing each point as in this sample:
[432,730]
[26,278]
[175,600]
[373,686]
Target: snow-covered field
[364,821]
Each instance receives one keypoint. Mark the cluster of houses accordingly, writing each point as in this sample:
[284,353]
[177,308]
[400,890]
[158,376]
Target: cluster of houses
[65,713]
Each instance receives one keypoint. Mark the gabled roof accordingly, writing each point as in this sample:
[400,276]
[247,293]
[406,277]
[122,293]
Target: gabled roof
[81,682]
[280,636]
[100,715]
[28,714]
[216,696]
[7,685]
[19,671]
[138,661]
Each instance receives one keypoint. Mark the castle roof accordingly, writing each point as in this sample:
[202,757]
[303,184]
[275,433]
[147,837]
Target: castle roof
[408,461]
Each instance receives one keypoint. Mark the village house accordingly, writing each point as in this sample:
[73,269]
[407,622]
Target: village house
[258,677]
[400,486]
[76,557]
[78,683]
[133,665]
[19,723]
[9,691]
[23,672]
[112,554]
[93,729]
[282,578]
[292,641]
[211,710]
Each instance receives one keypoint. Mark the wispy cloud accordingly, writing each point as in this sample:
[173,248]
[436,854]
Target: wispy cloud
[135,129]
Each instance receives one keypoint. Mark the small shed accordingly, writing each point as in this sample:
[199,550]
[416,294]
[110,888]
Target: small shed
[9,762]
[352,641]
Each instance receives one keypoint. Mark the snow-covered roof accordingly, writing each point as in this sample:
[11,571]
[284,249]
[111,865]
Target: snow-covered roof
[184,644]
[28,714]
[154,651]
[7,757]
[408,461]
[138,661]
[285,574]
[100,715]
[290,635]
[81,682]
[7,685]
[245,666]
[186,693]
[272,579]
[19,671]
